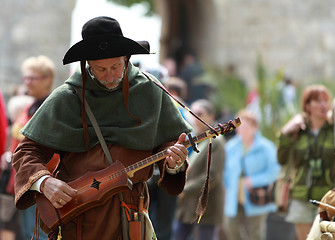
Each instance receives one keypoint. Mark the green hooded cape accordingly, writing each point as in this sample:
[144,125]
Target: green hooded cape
[58,123]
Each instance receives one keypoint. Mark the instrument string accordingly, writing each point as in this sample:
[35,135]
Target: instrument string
[116,174]
[149,160]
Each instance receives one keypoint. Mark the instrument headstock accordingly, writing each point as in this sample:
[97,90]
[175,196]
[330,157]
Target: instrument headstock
[225,128]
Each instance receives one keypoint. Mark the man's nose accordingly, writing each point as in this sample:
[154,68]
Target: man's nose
[110,76]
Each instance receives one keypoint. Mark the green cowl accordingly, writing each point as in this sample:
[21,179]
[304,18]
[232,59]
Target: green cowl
[58,123]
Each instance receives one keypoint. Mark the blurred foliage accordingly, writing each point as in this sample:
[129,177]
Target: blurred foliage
[129,3]
[230,93]
[273,112]
[330,84]
[228,89]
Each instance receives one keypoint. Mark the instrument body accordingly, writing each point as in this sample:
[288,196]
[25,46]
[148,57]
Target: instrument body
[95,188]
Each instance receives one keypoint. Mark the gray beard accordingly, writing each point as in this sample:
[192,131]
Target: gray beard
[102,83]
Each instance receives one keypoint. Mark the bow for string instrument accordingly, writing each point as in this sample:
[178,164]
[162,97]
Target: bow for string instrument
[95,188]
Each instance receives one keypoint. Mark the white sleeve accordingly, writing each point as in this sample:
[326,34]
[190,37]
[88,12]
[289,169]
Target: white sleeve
[37,184]
[176,169]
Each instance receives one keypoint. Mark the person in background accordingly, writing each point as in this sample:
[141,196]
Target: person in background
[187,201]
[3,125]
[38,74]
[16,105]
[178,88]
[288,91]
[11,229]
[157,70]
[136,118]
[307,140]
[161,203]
[191,72]
[171,65]
[5,231]
[251,161]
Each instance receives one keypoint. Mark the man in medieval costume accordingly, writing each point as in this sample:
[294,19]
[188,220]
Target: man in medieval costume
[136,119]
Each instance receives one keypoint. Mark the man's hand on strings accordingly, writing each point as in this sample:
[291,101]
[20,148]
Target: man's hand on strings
[58,192]
[177,153]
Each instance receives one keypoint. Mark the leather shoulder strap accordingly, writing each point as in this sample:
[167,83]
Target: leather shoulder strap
[96,127]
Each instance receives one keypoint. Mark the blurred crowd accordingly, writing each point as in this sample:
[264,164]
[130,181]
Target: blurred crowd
[243,165]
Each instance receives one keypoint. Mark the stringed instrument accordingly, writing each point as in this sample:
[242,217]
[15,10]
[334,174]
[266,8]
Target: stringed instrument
[95,188]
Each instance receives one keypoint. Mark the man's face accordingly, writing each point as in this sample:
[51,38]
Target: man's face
[109,72]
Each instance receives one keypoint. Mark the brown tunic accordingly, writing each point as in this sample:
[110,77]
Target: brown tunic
[101,222]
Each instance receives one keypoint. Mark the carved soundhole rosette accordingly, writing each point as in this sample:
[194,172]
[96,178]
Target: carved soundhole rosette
[95,184]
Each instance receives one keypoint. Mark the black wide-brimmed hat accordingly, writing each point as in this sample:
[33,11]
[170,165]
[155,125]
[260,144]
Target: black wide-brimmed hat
[103,38]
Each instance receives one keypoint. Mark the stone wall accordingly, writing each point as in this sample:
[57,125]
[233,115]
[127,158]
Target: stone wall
[31,28]
[297,37]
